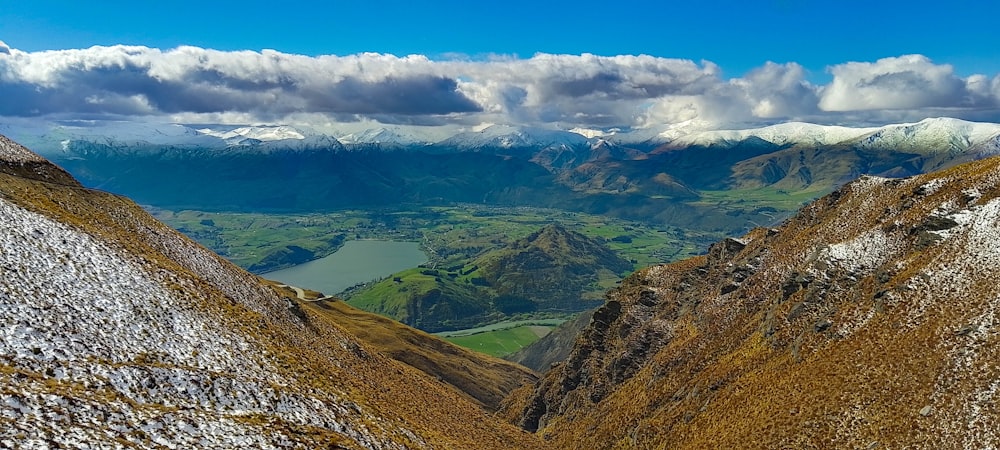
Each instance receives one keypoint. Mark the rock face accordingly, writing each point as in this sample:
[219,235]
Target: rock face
[553,347]
[868,318]
[117,331]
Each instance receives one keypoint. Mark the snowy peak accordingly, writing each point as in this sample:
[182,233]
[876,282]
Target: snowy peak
[262,133]
[938,134]
[384,137]
[929,135]
[781,134]
[508,137]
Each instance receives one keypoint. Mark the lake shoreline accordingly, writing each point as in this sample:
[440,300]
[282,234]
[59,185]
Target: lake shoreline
[356,261]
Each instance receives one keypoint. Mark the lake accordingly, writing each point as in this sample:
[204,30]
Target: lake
[356,262]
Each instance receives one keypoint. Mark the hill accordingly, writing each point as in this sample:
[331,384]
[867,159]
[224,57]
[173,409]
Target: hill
[551,270]
[484,379]
[867,320]
[122,332]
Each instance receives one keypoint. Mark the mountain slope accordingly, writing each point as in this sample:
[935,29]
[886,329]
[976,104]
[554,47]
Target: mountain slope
[485,379]
[867,320]
[120,331]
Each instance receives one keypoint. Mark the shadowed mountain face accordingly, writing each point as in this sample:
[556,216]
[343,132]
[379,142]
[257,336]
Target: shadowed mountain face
[554,347]
[867,320]
[120,331]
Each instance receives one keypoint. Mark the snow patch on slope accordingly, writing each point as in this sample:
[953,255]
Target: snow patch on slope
[863,253]
[95,349]
[265,134]
[13,152]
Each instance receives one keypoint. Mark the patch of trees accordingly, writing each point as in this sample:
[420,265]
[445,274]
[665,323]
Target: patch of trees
[514,304]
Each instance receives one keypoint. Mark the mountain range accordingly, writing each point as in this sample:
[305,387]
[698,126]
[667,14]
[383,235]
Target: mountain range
[866,320]
[724,181]
[48,138]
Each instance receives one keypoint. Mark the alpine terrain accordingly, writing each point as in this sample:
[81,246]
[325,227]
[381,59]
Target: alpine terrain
[868,320]
[120,332]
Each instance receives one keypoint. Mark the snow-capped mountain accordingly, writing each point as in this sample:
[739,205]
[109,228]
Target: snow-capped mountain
[384,137]
[508,137]
[260,133]
[929,135]
[941,134]
[780,134]
[934,135]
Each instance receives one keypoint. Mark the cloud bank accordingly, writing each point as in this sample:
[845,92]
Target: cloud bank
[568,91]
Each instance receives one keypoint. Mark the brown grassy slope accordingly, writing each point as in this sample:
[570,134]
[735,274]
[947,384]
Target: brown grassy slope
[315,357]
[486,380]
[869,319]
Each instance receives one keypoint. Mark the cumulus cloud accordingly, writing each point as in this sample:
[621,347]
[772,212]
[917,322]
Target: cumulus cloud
[779,91]
[905,82]
[569,91]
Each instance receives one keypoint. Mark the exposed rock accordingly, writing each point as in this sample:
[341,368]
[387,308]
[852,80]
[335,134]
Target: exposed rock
[839,305]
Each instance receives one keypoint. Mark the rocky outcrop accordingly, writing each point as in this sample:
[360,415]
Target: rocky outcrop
[867,320]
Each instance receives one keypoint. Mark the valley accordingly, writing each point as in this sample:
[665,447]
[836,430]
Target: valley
[499,226]
[696,348]
[454,238]
[475,203]
[264,242]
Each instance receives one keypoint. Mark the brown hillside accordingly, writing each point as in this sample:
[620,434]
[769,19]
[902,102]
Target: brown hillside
[485,379]
[867,321]
[189,350]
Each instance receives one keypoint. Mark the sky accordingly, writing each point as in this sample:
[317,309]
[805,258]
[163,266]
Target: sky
[556,64]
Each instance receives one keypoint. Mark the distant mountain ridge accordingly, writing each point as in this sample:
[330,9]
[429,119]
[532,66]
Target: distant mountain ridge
[920,134]
[721,181]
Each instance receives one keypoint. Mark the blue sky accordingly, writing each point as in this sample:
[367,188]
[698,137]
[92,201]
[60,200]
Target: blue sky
[737,35]
[732,41]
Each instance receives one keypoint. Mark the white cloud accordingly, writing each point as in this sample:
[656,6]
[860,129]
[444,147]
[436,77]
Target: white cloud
[904,82]
[586,90]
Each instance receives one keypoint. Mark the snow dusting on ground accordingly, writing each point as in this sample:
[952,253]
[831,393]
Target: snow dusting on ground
[94,349]
[14,153]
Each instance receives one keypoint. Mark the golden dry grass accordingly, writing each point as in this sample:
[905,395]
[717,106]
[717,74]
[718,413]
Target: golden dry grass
[806,351]
[311,352]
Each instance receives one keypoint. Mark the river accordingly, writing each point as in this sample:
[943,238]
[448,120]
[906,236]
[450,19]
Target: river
[356,262]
